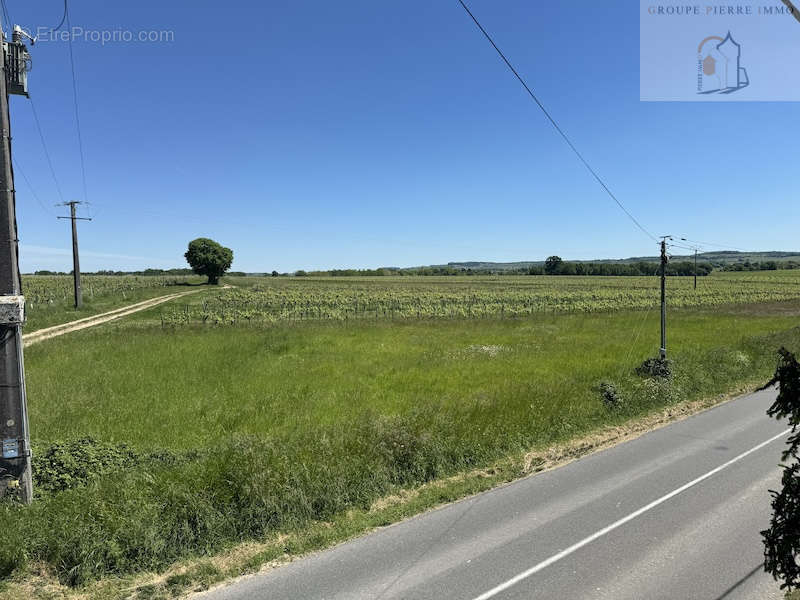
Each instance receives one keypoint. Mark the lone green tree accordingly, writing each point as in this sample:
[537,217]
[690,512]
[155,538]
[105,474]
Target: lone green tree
[207,257]
[552,265]
[782,539]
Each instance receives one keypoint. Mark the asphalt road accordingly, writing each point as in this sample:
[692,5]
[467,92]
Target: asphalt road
[673,514]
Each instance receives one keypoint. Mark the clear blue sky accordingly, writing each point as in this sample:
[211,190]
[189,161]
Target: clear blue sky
[312,134]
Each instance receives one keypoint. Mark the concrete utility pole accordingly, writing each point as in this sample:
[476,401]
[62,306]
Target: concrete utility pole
[76,263]
[664,260]
[15,453]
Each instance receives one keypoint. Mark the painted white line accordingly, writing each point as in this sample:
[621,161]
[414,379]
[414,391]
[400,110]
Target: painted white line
[575,547]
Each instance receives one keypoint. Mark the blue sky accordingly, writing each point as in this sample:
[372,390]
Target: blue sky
[312,134]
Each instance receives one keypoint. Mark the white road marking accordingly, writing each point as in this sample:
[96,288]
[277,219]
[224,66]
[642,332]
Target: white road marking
[588,540]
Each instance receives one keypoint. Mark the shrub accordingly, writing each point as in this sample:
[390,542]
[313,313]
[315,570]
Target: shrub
[610,395]
[64,465]
[655,367]
[67,464]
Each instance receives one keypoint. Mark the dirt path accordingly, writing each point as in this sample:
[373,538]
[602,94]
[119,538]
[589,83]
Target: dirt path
[50,332]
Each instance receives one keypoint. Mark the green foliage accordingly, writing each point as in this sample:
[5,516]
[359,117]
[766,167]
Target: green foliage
[148,272]
[610,395]
[552,265]
[315,298]
[782,539]
[49,299]
[142,515]
[556,266]
[655,367]
[135,519]
[64,465]
[359,272]
[208,258]
[766,265]
[268,429]
[69,464]
[44,291]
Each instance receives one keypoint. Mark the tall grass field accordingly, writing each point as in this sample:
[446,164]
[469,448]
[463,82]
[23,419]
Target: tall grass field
[158,440]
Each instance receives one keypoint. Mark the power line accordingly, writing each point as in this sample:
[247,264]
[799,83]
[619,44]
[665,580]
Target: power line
[717,245]
[61,23]
[75,97]
[674,245]
[30,187]
[63,18]
[6,15]
[44,147]
[553,122]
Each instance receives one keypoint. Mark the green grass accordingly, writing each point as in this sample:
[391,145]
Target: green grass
[281,380]
[239,433]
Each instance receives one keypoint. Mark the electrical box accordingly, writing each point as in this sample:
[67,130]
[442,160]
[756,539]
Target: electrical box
[11,449]
[18,63]
[12,310]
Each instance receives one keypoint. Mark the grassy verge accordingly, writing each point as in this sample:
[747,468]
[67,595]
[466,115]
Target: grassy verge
[298,432]
[37,580]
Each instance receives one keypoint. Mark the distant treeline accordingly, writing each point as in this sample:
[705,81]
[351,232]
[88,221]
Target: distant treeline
[415,271]
[561,268]
[146,273]
[386,272]
[153,272]
[766,265]
[619,269]
[609,269]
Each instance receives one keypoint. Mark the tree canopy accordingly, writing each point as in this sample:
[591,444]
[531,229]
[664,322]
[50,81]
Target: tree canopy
[781,540]
[552,264]
[209,258]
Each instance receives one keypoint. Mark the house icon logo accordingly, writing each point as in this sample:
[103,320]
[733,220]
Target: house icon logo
[719,69]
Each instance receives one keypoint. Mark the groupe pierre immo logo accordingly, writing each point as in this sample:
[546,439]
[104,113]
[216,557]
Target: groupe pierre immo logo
[719,68]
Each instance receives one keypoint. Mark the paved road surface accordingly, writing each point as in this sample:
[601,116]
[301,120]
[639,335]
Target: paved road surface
[683,504]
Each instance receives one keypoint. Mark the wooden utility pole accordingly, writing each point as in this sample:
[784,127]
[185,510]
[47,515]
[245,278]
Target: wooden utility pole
[663,349]
[76,263]
[15,453]
[695,268]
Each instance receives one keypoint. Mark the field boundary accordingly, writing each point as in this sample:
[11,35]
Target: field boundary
[57,330]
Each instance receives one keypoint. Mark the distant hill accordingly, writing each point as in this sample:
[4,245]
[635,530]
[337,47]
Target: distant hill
[717,258]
